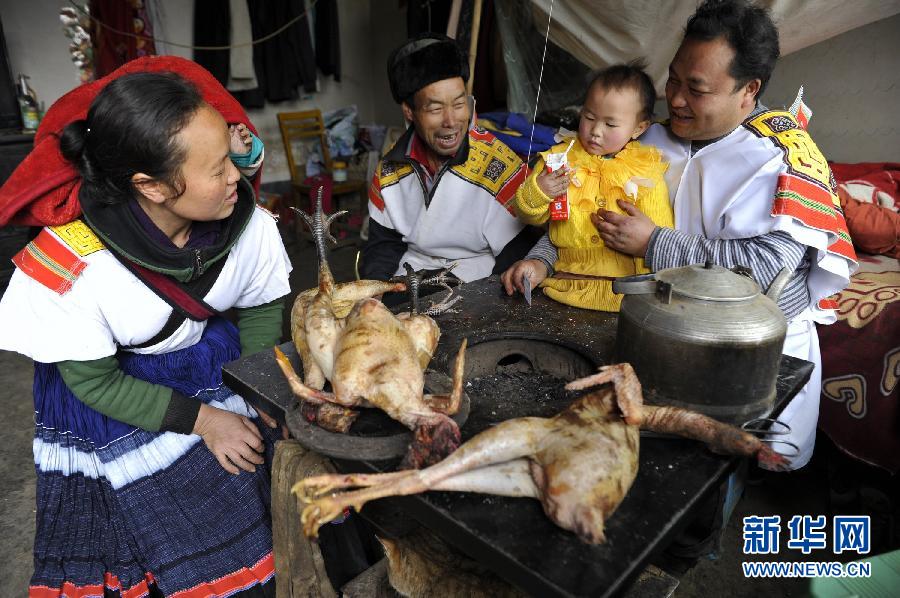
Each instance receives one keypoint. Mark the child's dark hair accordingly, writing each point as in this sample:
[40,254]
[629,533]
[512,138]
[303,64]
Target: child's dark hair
[628,76]
[749,31]
[131,127]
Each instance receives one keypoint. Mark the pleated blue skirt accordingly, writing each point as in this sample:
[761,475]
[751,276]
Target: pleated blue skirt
[127,511]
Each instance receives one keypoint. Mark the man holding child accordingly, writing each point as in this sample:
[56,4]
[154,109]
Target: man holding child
[748,187]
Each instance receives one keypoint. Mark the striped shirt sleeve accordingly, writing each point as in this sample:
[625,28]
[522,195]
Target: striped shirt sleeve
[765,255]
[545,251]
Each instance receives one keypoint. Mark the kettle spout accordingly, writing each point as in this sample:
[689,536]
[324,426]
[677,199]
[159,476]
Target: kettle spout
[774,290]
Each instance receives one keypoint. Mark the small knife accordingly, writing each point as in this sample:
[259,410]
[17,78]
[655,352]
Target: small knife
[526,285]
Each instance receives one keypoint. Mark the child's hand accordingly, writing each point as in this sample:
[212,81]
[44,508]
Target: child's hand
[241,139]
[553,184]
[535,270]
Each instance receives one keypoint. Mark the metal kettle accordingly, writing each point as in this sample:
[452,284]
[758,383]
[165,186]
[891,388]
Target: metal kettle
[703,337]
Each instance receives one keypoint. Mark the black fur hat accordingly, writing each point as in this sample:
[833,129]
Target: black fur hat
[421,61]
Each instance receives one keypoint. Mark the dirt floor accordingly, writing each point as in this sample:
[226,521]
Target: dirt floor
[823,487]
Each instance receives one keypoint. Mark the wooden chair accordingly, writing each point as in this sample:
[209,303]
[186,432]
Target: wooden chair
[307,127]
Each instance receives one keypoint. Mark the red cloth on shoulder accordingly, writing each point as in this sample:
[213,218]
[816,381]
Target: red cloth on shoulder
[43,190]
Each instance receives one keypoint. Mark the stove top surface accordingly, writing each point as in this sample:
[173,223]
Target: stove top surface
[526,355]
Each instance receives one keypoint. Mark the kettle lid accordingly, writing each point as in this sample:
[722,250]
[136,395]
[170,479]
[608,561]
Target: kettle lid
[709,282]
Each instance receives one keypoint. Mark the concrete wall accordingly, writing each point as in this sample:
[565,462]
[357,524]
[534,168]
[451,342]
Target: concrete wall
[369,30]
[38,48]
[388,31]
[851,80]
[852,84]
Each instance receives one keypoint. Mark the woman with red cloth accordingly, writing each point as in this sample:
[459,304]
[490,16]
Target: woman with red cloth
[153,477]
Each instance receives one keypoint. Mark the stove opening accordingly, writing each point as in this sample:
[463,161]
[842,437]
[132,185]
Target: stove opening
[517,375]
[514,362]
[526,355]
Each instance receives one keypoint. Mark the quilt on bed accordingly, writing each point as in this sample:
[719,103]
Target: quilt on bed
[860,406]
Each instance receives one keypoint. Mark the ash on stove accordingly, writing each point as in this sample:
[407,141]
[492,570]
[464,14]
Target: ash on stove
[373,422]
[508,394]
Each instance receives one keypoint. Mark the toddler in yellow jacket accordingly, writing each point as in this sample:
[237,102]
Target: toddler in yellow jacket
[605,164]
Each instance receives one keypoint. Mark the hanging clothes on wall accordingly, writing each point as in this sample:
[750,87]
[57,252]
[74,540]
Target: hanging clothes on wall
[288,60]
[280,64]
[219,23]
[328,40]
[241,72]
[156,14]
[489,86]
[424,16]
[212,27]
[112,50]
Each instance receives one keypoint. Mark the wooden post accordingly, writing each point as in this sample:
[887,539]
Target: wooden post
[473,44]
[453,20]
[299,566]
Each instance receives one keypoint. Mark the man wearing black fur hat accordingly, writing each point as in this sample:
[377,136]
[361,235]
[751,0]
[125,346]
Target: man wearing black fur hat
[444,193]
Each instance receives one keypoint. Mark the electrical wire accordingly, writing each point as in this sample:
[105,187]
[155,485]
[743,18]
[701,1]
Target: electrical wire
[540,78]
[264,38]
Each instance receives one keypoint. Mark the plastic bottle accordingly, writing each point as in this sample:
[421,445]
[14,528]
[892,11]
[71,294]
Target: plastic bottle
[339,171]
[28,105]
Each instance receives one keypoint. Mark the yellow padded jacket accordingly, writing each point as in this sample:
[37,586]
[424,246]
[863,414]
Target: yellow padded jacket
[581,250]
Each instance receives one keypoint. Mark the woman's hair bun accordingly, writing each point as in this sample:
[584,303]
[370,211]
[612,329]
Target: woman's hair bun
[72,141]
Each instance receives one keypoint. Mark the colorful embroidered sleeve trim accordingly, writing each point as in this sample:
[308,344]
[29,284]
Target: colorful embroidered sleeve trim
[375,193]
[490,165]
[815,207]
[801,199]
[50,262]
[843,246]
[828,303]
[79,237]
[507,194]
[390,173]
[801,155]
[481,134]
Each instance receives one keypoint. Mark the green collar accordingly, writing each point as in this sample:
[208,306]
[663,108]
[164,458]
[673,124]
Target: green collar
[120,231]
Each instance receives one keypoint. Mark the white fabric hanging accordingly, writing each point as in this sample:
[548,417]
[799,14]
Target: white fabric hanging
[241,74]
[600,33]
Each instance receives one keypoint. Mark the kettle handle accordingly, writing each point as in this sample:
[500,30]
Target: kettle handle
[641,284]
